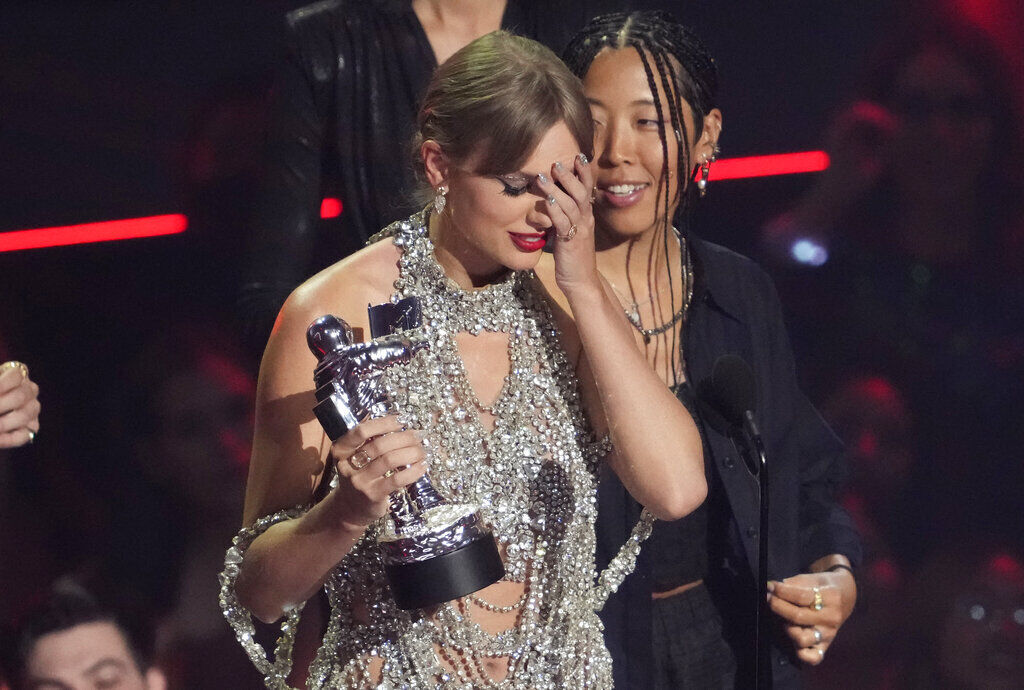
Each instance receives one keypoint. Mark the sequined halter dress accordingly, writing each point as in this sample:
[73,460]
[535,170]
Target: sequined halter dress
[532,469]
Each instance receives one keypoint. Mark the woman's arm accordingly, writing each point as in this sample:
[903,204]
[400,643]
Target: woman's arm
[658,453]
[286,564]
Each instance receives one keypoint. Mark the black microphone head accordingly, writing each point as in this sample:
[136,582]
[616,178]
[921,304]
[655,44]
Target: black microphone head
[733,387]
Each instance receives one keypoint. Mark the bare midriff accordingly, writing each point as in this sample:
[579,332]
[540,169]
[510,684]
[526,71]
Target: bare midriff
[676,590]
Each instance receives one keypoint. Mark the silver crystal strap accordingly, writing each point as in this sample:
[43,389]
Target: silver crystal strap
[275,673]
[623,563]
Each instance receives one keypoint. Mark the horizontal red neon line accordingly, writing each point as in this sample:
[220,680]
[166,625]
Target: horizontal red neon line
[105,231]
[763,166]
[172,224]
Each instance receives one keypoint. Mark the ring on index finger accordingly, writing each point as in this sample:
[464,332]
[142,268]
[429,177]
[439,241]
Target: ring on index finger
[359,459]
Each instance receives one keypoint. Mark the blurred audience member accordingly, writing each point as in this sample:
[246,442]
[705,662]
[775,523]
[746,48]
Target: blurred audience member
[968,619]
[900,262]
[70,642]
[872,418]
[187,415]
[19,406]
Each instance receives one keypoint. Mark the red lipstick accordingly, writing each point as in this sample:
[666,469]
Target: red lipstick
[528,243]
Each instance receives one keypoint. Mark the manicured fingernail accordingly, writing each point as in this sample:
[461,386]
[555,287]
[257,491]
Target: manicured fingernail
[771,585]
[583,158]
[542,178]
[420,434]
[552,200]
[558,165]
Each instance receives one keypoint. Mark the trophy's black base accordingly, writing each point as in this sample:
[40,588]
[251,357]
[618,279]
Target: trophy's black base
[422,584]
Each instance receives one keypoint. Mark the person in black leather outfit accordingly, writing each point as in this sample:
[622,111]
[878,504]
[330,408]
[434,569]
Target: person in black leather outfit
[343,110]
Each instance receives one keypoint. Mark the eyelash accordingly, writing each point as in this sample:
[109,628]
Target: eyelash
[509,190]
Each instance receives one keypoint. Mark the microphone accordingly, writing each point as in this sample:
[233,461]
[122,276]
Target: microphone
[730,395]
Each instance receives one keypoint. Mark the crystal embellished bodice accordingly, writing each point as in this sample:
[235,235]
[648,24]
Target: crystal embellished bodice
[531,467]
[533,474]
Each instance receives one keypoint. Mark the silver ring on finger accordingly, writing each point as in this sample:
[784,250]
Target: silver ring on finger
[359,459]
[569,234]
[817,635]
[821,653]
[31,436]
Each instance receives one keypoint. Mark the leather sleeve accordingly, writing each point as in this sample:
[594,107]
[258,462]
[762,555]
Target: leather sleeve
[286,220]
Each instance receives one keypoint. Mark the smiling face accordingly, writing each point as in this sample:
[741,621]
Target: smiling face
[627,146]
[493,223]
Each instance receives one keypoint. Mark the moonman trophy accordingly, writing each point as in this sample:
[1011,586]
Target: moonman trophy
[433,551]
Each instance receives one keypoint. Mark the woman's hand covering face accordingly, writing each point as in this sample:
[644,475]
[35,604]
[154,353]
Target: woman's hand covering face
[569,196]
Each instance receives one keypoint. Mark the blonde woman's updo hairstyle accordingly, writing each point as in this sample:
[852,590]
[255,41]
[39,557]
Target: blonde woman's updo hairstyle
[496,98]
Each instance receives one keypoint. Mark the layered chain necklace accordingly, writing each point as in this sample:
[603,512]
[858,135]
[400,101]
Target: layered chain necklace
[633,311]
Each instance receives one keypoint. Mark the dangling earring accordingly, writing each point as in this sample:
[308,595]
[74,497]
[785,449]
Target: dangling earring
[702,183]
[439,199]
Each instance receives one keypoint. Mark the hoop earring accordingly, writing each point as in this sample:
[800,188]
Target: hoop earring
[440,200]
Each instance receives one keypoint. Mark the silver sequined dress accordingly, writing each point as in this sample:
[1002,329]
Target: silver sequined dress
[534,475]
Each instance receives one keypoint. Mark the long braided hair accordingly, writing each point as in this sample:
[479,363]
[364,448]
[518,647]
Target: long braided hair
[675,57]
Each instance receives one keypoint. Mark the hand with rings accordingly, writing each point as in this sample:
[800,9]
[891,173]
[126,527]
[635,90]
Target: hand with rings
[812,608]
[19,406]
[374,459]
[567,194]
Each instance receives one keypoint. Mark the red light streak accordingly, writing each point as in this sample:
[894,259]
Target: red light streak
[105,231]
[171,224]
[763,166]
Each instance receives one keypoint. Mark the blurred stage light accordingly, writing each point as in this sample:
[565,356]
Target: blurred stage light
[105,231]
[809,251]
[155,226]
[330,208]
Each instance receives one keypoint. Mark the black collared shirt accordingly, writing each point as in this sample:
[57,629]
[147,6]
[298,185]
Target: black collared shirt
[736,310]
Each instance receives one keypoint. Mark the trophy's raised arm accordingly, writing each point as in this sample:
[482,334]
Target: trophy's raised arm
[433,550]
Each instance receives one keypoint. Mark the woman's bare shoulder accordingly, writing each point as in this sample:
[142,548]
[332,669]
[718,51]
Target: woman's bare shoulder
[348,286]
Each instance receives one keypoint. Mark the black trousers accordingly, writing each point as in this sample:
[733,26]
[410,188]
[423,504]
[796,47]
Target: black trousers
[689,650]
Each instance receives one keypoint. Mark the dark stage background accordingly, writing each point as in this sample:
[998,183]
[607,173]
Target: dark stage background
[118,109]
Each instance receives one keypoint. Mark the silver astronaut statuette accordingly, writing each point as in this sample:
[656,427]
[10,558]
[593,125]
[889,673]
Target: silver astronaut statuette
[433,551]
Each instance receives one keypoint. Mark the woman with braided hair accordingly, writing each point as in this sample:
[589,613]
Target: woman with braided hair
[651,85]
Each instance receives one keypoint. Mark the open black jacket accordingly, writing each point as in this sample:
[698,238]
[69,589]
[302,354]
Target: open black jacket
[735,310]
[343,113]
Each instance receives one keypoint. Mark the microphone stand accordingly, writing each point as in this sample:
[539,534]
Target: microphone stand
[762,614]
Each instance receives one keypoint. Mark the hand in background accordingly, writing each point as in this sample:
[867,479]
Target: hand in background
[19,406]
